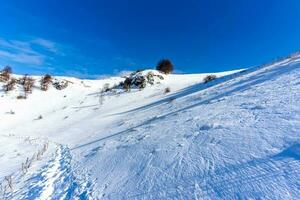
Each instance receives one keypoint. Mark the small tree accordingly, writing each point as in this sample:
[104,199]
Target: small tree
[5,74]
[27,82]
[106,87]
[10,85]
[102,92]
[209,78]
[45,81]
[165,66]
[7,69]
[60,85]
[127,84]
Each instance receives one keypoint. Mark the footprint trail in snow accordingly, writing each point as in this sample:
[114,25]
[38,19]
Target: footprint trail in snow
[60,178]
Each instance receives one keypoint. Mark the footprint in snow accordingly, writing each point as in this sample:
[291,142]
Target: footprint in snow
[251,106]
[123,146]
[141,137]
[60,172]
[187,135]
[93,152]
[257,108]
[214,141]
[210,126]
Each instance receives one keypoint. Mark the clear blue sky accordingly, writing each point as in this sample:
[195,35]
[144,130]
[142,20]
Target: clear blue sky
[90,38]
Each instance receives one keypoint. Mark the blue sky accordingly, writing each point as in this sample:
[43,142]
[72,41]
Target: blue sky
[92,38]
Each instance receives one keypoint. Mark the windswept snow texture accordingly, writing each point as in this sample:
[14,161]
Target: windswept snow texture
[236,137]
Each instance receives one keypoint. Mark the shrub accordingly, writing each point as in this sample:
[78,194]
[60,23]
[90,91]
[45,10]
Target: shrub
[27,82]
[209,78]
[10,85]
[28,85]
[151,77]
[45,81]
[21,97]
[165,66]
[139,80]
[47,78]
[106,88]
[5,74]
[138,70]
[167,90]
[7,69]
[127,84]
[60,85]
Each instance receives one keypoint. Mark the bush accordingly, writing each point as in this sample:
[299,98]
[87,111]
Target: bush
[151,77]
[139,80]
[45,81]
[5,74]
[60,84]
[106,88]
[7,69]
[21,97]
[165,66]
[209,78]
[10,85]
[27,82]
[127,84]
[167,90]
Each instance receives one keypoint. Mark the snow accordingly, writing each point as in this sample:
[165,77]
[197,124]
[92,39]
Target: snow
[236,137]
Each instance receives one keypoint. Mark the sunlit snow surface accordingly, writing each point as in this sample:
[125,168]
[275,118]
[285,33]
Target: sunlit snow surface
[237,137]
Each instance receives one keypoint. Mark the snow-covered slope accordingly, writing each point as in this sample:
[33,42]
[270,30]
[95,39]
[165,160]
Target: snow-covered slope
[236,137]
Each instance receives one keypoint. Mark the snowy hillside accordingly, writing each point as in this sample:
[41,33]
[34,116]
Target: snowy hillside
[235,137]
